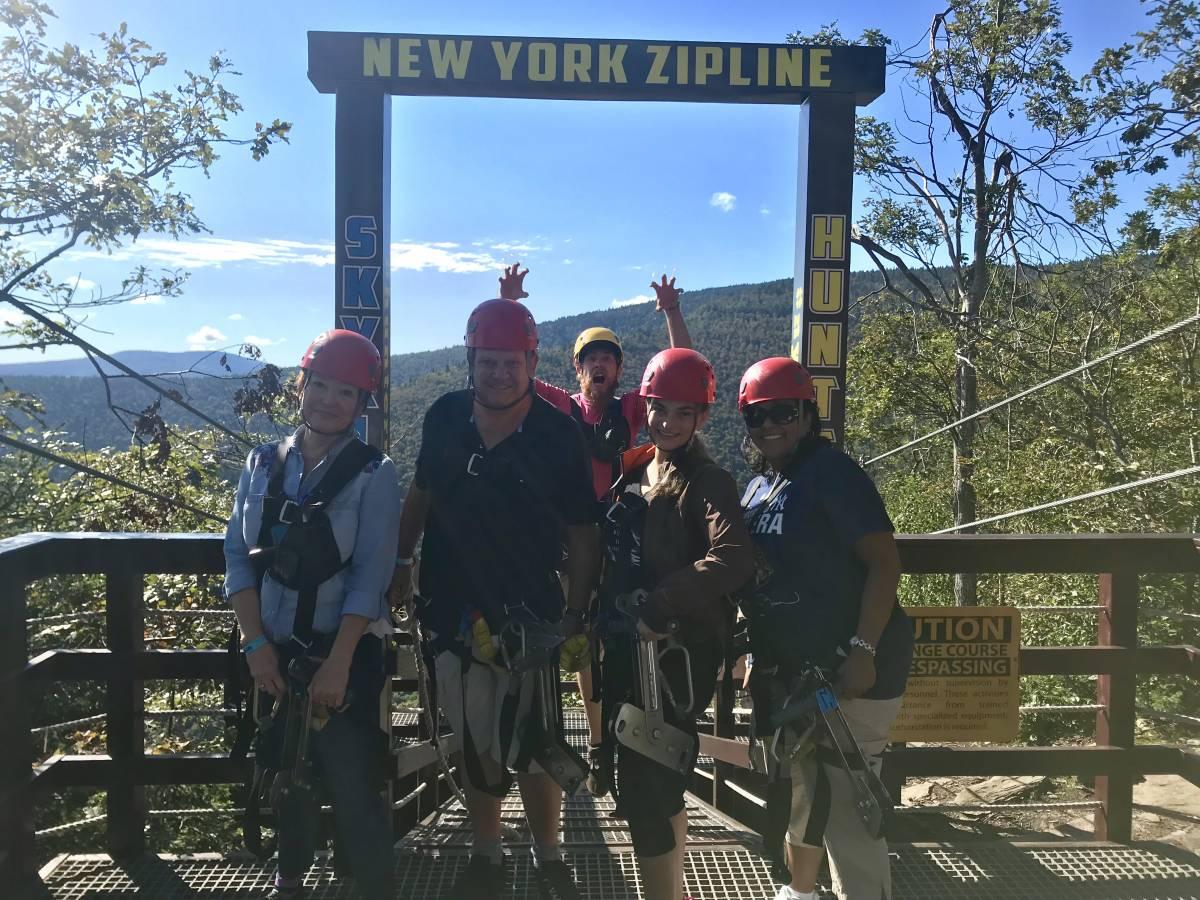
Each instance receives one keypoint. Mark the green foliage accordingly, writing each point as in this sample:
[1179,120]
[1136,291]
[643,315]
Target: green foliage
[93,142]
[1132,417]
[973,303]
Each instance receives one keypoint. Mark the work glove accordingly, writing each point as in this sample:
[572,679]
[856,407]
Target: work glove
[575,654]
[482,645]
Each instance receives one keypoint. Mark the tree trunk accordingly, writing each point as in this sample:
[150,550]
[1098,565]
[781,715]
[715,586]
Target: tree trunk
[967,402]
[966,382]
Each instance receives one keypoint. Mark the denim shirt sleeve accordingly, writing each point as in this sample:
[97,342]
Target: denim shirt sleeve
[239,571]
[374,562]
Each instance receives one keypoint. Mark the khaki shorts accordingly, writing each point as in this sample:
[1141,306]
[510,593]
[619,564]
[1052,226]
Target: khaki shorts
[859,863]
[487,690]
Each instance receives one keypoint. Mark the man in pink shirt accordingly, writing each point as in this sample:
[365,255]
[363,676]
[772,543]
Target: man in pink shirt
[610,424]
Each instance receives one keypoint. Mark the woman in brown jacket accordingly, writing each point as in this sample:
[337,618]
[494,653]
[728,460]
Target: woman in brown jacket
[675,537]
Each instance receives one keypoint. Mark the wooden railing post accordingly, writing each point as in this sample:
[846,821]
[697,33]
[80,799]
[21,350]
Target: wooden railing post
[16,751]
[125,624]
[1115,693]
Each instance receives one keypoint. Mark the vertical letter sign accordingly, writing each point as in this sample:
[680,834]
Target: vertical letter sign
[362,190]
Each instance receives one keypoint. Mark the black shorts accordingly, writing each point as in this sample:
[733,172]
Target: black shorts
[649,794]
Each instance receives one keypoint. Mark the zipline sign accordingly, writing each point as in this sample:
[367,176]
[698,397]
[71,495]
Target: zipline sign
[364,70]
[964,681]
[591,68]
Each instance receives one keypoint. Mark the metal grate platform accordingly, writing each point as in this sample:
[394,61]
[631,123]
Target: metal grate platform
[601,875]
[586,822]
[982,871]
[722,863]
[999,869]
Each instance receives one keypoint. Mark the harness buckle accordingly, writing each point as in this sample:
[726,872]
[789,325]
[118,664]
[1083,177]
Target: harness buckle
[471,463]
[612,510]
[304,645]
[289,512]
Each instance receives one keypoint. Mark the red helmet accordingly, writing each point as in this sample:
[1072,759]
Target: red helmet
[680,375]
[776,378]
[345,356]
[501,325]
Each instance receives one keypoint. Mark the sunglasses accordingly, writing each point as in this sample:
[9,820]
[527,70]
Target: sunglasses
[779,413]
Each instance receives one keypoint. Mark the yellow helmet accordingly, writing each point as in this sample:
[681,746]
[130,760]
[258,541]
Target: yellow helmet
[595,336]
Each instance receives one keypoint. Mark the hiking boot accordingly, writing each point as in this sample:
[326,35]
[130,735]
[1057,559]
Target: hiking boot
[481,880]
[555,881]
[599,781]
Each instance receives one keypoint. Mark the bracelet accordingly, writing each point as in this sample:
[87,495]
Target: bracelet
[856,641]
[404,562]
[250,646]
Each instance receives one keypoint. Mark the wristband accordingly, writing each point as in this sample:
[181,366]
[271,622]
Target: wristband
[404,562]
[250,646]
[856,641]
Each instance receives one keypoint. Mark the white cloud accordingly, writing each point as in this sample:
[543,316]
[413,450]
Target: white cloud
[10,316]
[205,338]
[202,252]
[84,284]
[537,245]
[568,262]
[236,317]
[442,256]
[262,341]
[764,211]
[631,301]
[723,200]
[148,300]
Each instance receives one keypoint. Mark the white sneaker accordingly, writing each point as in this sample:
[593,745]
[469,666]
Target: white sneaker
[786,893]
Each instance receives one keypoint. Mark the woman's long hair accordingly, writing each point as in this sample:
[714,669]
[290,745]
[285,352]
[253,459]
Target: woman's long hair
[681,464]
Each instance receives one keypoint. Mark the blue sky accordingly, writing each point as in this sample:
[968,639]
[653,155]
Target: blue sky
[594,197]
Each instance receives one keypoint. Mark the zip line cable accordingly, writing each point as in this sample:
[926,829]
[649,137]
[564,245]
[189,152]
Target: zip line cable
[1155,479]
[113,479]
[1140,342]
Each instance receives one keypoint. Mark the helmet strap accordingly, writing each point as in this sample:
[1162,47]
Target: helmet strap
[315,430]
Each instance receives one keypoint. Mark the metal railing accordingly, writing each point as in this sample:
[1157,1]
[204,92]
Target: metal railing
[124,664]
[1115,760]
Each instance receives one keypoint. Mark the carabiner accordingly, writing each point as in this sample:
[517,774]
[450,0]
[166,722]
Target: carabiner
[674,646]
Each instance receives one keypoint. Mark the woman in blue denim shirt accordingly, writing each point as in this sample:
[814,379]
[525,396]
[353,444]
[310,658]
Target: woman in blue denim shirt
[350,618]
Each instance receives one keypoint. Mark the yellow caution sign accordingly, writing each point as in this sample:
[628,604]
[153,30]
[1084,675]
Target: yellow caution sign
[964,680]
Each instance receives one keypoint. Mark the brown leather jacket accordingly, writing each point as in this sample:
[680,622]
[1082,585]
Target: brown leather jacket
[695,545]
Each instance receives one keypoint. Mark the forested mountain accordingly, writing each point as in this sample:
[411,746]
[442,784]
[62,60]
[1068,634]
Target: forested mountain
[198,362]
[733,325]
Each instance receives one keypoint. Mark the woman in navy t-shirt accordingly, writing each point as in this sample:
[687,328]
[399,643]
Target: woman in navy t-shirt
[825,595]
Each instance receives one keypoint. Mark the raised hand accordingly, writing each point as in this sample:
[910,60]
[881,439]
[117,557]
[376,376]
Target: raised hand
[666,294]
[512,283]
